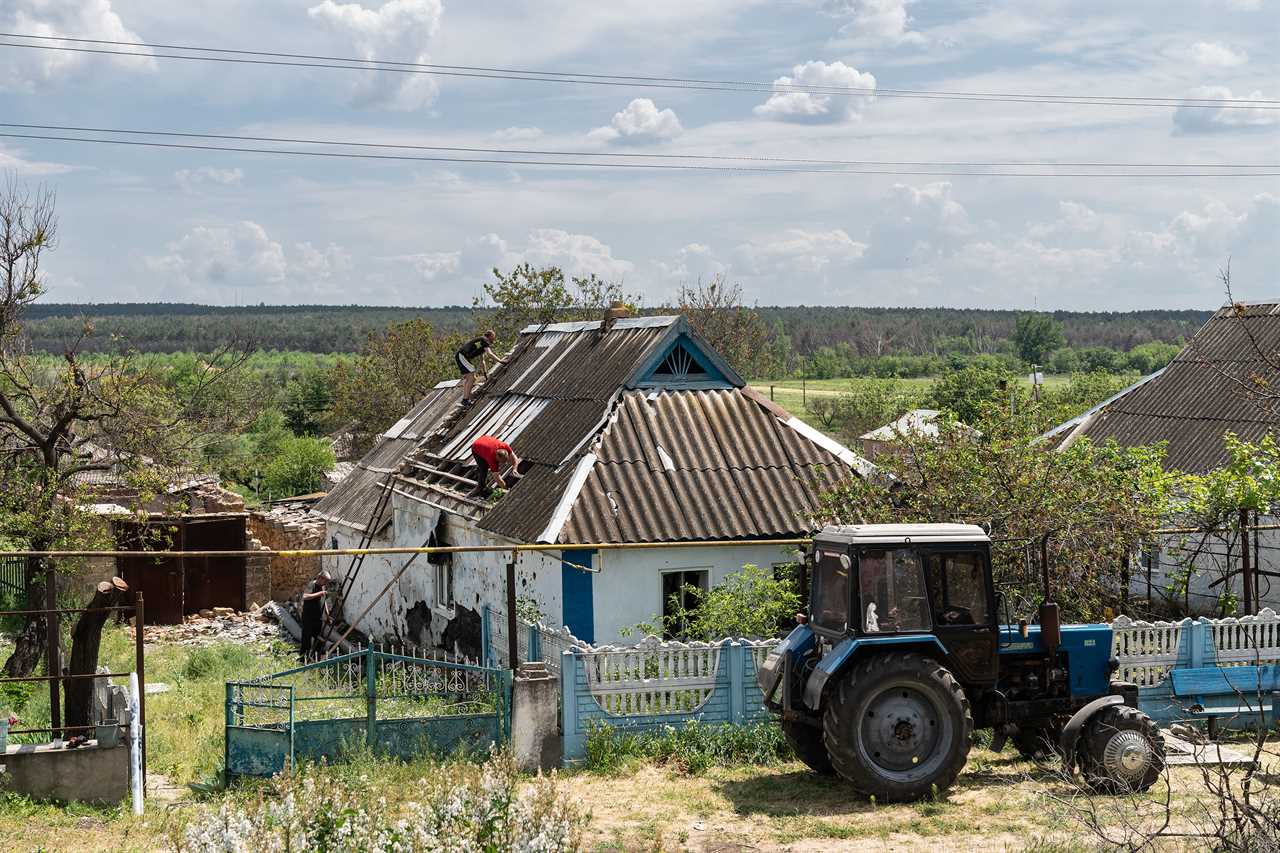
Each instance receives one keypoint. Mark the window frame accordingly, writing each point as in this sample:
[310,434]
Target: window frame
[815,586]
[704,571]
[984,555]
[444,600]
[921,556]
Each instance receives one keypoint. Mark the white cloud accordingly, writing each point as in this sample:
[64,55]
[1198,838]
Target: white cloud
[399,31]
[808,107]
[190,180]
[27,69]
[576,254]
[918,223]
[517,134]
[244,255]
[641,122]
[875,20]
[1217,55]
[1223,119]
[796,251]
[16,163]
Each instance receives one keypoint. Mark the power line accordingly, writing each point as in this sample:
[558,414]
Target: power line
[506,161]
[235,56]
[534,152]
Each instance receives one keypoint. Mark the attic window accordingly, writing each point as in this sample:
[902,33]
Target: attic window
[680,365]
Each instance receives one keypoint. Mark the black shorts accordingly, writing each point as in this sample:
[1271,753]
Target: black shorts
[464,366]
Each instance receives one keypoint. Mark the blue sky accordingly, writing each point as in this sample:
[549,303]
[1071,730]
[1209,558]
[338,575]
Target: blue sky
[147,224]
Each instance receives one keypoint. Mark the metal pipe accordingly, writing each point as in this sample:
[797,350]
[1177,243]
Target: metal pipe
[140,662]
[436,549]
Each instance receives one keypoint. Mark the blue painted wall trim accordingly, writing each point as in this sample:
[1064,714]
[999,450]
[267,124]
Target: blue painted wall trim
[576,594]
[716,375]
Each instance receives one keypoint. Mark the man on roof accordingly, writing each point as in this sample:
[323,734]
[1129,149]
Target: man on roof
[475,354]
[492,454]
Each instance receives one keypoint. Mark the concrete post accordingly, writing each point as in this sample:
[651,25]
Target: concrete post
[572,745]
[732,651]
[535,735]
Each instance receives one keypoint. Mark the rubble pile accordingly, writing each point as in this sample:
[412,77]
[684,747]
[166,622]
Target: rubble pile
[219,625]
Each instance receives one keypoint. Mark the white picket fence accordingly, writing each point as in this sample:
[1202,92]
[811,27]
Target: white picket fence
[653,676]
[1148,650]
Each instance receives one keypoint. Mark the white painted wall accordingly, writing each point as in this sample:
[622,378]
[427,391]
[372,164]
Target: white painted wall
[479,578]
[628,588]
[1210,566]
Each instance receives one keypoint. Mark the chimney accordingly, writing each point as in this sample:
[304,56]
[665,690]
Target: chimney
[616,310]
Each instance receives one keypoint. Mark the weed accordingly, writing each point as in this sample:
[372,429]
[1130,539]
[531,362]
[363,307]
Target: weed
[692,748]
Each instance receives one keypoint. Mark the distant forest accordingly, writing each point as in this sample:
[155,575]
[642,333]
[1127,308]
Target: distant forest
[868,332]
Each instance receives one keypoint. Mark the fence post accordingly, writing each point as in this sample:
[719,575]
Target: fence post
[535,643]
[737,692]
[371,693]
[568,705]
[1197,630]
[486,659]
[292,719]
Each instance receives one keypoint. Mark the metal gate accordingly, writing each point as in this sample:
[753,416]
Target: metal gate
[395,704]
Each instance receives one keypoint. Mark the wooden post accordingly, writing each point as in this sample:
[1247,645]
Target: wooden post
[140,664]
[513,642]
[53,664]
[1245,568]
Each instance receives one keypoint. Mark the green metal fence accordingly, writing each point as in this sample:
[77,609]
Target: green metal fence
[398,705]
[13,574]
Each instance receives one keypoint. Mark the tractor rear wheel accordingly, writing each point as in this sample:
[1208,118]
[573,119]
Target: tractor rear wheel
[1038,739]
[898,727]
[1122,751]
[806,743]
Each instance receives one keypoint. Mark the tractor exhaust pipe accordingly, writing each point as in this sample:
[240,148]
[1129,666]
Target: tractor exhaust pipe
[1050,619]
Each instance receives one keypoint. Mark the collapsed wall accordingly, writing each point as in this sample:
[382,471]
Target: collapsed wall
[286,527]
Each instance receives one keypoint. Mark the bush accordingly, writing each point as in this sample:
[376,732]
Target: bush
[692,748]
[459,807]
[749,603]
[298,468]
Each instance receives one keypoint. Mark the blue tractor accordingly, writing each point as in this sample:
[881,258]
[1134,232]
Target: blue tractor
[901,656]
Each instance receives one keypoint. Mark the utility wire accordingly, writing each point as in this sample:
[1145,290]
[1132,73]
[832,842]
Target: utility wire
[483,72]
[627,155]
[597,164]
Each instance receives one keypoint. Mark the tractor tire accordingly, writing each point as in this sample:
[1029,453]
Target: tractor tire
[806,743]
[1121,751]
[898,727]
[1037,740]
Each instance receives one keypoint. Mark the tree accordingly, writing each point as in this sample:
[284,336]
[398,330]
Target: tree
[528,296]
[1097,502]
[396,369]
[1037,335]
[717,314]
[308,402]
[970,392]
[298,467]
[752,603]
[61,421]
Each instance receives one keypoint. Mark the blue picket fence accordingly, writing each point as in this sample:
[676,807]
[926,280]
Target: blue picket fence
[655,684]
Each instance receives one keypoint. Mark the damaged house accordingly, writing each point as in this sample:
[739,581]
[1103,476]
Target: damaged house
[634,431]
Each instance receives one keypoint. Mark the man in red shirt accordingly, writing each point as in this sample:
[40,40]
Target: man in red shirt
[491,454]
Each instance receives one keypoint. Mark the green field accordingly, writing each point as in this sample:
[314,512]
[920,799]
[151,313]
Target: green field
[791,394]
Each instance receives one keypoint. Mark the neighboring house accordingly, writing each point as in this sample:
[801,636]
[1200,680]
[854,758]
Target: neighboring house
[638,432]
[1202,394]
[917,422]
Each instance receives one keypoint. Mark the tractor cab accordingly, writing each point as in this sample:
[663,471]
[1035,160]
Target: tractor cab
[900,657]
[908,584]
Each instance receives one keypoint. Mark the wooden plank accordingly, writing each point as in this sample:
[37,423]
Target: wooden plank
[1179,752]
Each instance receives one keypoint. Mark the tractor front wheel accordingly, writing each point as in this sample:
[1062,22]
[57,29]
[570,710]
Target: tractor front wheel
[898,727]
[1122,751]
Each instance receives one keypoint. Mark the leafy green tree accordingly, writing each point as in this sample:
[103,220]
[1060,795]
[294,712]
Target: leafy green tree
[1037,335]
[1151,356]
[298,468]
[716,312]
[528,296]
[396,369]
[971,392]
[308,402]
[752,602]
[1097,501]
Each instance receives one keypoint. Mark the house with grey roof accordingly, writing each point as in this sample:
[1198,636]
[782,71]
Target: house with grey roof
[631,432]
[1226,379]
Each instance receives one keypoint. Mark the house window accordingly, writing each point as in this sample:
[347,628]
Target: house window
[444,586]
[678,598]
[680,365]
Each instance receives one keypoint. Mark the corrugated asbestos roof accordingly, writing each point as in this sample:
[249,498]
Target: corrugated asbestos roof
[685,465]
[1201,394]
[672,465]
[352,501]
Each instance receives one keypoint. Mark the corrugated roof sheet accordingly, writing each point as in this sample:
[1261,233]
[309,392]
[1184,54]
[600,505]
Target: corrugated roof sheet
[1201,394]
[687,465]
[352,501]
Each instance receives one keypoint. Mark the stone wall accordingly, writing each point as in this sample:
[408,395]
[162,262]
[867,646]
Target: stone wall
[287,527]
[257,577]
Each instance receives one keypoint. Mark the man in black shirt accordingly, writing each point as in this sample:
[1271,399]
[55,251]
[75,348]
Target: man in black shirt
[473,354]
[313,608]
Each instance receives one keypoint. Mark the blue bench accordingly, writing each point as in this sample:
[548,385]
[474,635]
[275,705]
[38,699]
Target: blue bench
[1243,691]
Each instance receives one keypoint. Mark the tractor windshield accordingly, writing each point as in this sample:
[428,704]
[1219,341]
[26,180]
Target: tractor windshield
[831,590]
[891,586]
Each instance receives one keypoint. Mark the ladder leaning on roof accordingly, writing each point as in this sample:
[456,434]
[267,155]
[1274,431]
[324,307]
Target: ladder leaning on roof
[357,560]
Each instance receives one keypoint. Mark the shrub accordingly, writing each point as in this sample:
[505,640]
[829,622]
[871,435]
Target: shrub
[691,748]
[460,807]
[224,660]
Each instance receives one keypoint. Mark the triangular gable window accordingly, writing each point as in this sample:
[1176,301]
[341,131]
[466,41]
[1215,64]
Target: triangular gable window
[684,366]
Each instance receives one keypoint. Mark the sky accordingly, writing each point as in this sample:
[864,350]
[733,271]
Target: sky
[151,224]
